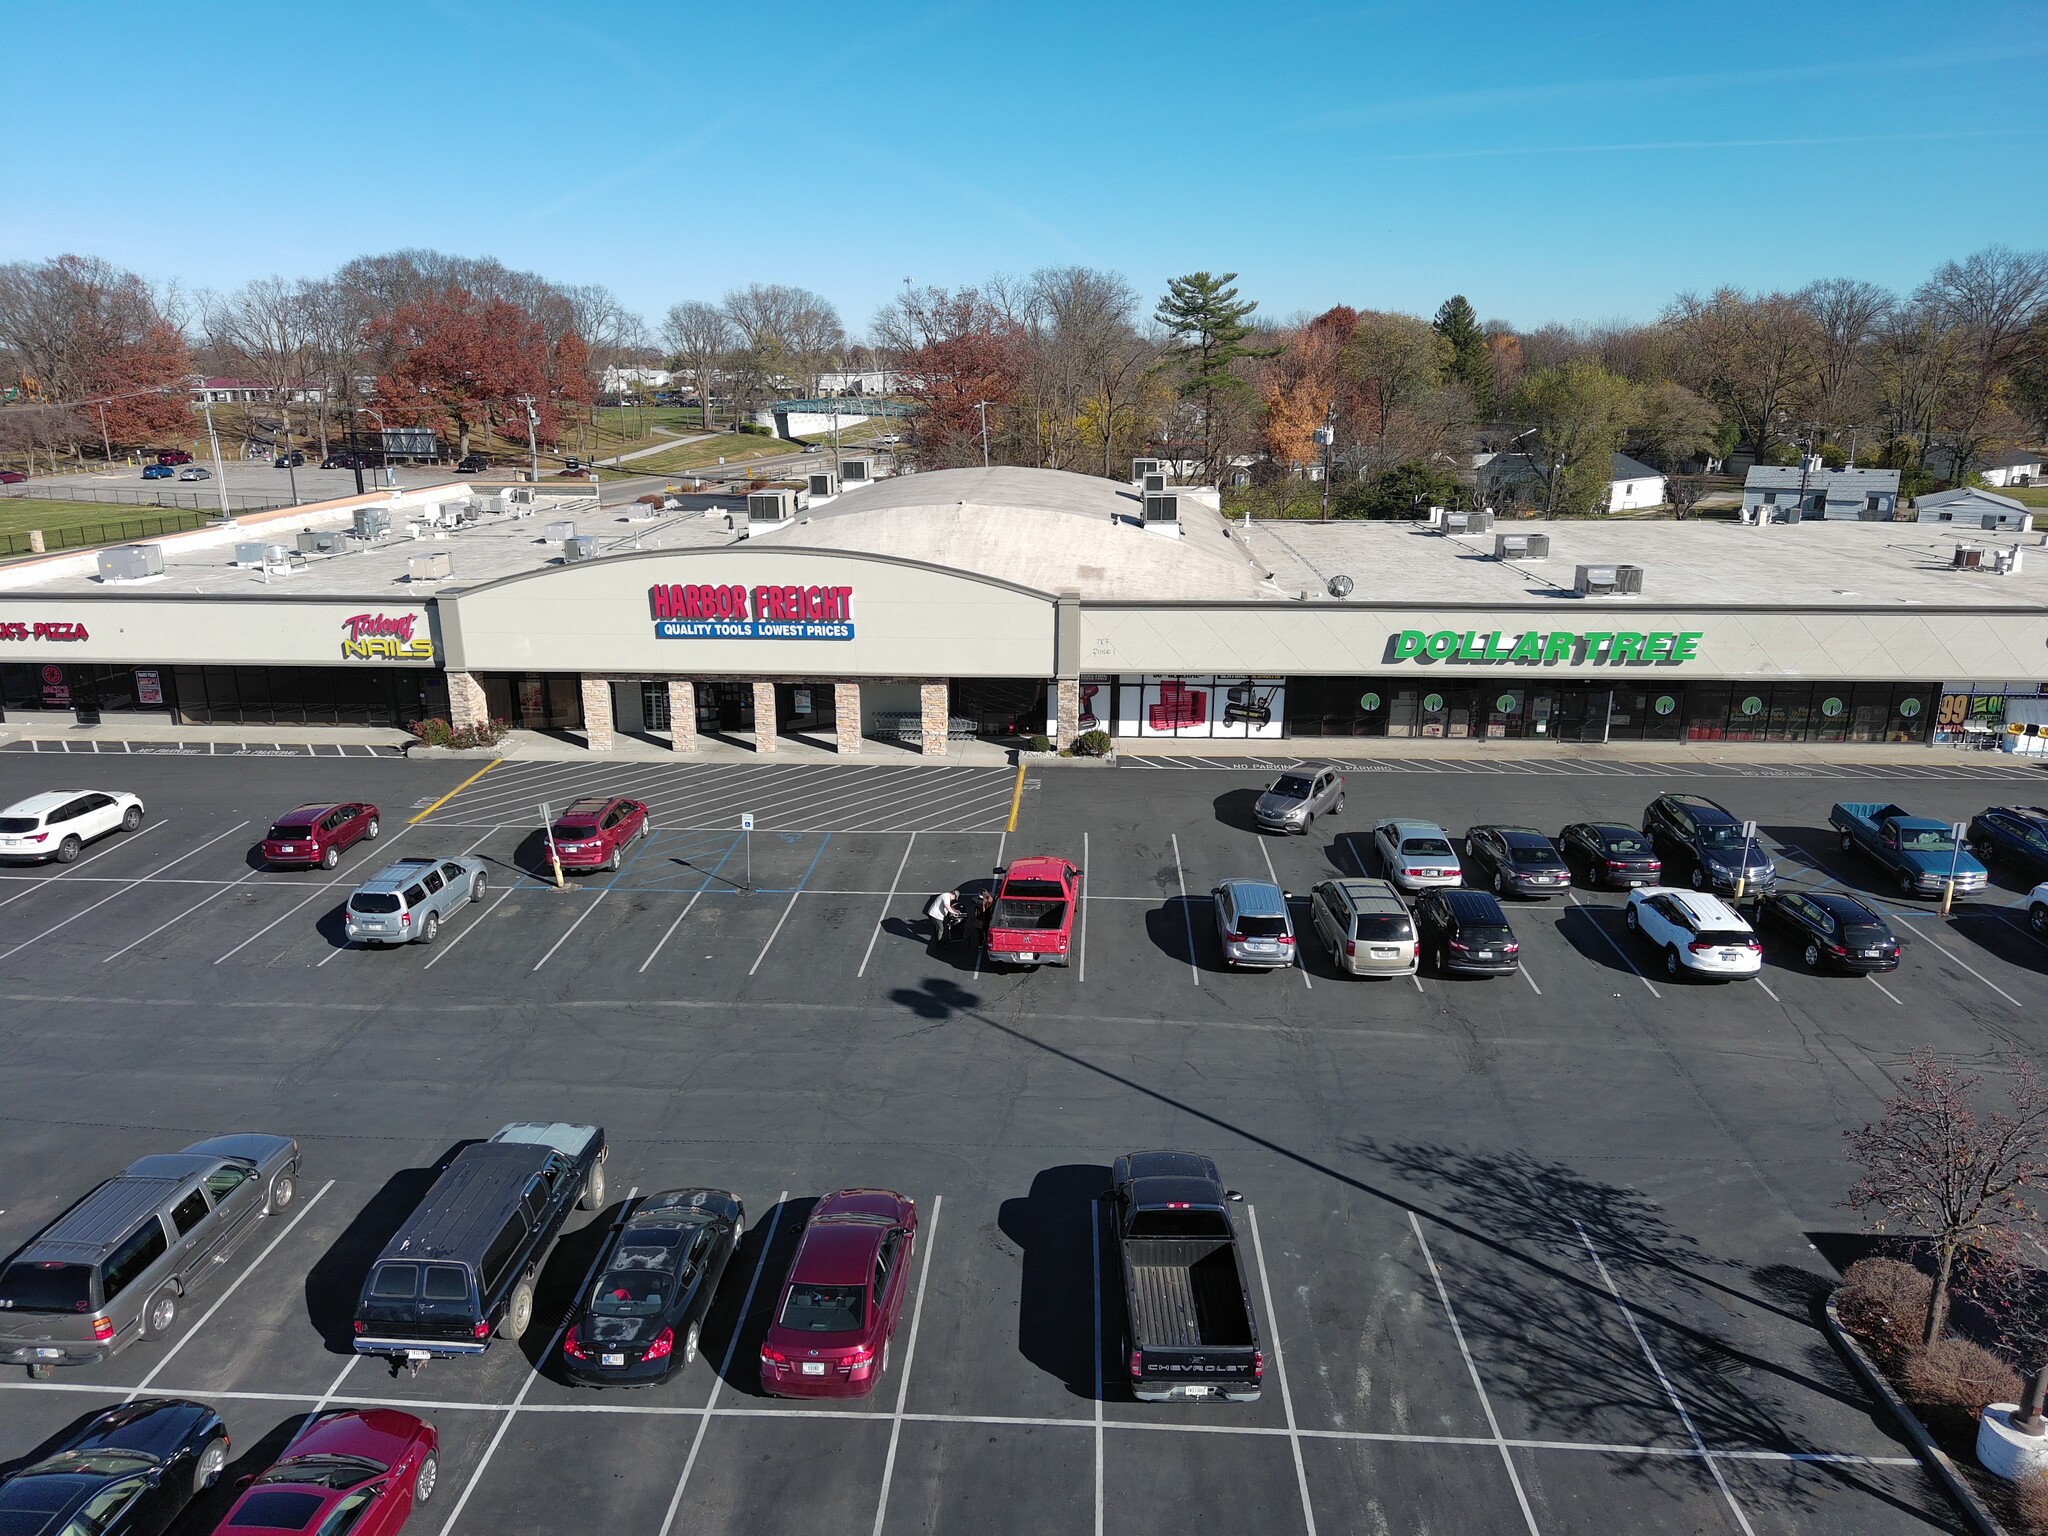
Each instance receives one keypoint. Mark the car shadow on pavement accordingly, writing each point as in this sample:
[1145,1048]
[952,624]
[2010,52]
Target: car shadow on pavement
[561,1277]
[207,1509]
[1234,808]
[335,1281]
[732,1338]
[1181,920]
[1599,935]
[1057,1298]
[1349,854]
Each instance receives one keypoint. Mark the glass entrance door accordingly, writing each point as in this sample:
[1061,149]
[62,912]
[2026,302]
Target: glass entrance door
[1582,713]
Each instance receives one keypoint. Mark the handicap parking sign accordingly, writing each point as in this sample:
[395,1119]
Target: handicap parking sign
[746,821]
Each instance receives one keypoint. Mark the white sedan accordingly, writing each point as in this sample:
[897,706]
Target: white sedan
[59,822]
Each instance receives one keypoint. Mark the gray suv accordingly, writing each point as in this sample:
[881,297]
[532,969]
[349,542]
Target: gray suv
[1252,924]
[408,902]
[117,1266]
[1292,802]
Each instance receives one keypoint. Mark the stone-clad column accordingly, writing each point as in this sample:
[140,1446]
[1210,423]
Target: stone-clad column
[933,701]
[597,714]
[1067,712]
[846,717]
[682,716]
[466,702]
[764,717]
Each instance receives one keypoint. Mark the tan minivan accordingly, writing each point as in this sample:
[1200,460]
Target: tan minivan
[1365,926]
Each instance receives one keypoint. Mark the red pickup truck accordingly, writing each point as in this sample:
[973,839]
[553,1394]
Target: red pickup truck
[1032,921]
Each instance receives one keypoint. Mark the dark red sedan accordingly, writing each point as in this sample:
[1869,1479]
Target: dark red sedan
[593,833]
[831,1329]
[317,834]
[359,1471]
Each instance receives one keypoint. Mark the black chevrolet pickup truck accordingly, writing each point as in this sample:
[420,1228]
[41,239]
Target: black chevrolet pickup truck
[1189,1328]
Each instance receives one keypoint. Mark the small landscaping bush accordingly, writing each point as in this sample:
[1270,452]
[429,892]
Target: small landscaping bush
[2030,1499]
[1884,1303]
[436,732]
[1092,744]
[1957,1375]
[1040,742]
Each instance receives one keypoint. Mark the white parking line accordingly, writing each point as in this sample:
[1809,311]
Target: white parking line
[221,1300]
[709,876]
[38,883]
[775,930]
[1472,1369]
[1523,972]
[1621,953]
[114,895]
[1887,991]
[1095,1251]
[532,1376]
[724,1368]
[887,903]
[1664,1381]
[1308,1510]
[1300,949]
[924,1273]
[1959,960]
[1186,914]
[160,927]
[442,953]
[1084,939]
[1767,990]
[335,1385]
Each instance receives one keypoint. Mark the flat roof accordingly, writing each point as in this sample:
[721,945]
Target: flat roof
[1700,562]
[1052,532]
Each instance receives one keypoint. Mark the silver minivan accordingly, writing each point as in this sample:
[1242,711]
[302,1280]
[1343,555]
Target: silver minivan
[119,1264]
[1252,924]
[1366,927]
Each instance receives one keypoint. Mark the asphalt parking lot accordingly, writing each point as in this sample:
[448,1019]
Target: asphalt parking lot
[1529,1255]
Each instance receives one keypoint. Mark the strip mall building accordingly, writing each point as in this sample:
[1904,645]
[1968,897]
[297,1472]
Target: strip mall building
[1001,603]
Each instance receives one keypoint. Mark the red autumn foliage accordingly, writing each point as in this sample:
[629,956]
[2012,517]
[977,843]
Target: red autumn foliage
[967,351]
[156,360]
[458,363]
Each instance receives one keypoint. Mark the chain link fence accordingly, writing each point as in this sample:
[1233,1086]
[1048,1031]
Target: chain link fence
[112,531]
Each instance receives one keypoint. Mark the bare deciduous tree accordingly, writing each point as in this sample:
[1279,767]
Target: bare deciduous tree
[1987,301]
[1846,315]
[700,339]
[1755,358]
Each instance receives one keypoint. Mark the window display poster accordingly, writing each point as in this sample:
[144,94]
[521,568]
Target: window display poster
[1231,707]
[149,687]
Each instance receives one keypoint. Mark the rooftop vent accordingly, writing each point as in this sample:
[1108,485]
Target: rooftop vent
[319,541]
[131,562]
[558,533]
[1153,480]
[583,547]
[249,557]
[1521,546]
[1162,512]
[770,508]
[1140,468]
[438,566]
[824,483]
[1596,580]
[857,471]
[1340,586]
[373,522]
[1968,557]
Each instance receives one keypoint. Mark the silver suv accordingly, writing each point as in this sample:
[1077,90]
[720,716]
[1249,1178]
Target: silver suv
[1292,802]
[118,1265]
[1252,924]
[407,903]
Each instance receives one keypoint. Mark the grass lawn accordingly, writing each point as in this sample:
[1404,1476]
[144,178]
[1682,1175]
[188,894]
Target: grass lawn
[18,514]
[733,447]
[2031,495]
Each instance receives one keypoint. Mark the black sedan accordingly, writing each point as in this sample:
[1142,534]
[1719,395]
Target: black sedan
[2013,836]
[1831,930]
[656,1277]
[129,1471]
[472,464]
[292,460]
[1514,861]
[1608,853]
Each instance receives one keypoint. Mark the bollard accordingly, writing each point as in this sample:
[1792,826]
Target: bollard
[35,541]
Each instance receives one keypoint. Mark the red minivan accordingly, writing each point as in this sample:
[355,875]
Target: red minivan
[1032,922]
[316,834]
[593,833]
[173,456]
[830,1333]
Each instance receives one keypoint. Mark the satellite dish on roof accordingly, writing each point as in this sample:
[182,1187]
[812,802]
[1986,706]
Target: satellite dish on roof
[1340,586]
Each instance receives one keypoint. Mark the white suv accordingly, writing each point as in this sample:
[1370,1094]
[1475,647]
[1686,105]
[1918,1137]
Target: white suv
[1696,932]
[59,822]
[2037,910]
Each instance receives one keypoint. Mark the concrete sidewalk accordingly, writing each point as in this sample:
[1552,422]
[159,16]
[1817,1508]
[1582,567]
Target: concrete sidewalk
[1400,749]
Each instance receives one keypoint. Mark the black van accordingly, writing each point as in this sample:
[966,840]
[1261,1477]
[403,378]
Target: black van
[465,1263]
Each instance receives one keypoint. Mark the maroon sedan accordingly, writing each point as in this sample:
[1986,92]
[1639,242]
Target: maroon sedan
[357,1471]
[593,833]
[316,834]
[830,1334]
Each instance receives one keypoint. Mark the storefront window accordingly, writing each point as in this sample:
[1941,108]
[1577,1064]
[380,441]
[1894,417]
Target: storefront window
[305,695]
[1706,711]
[1831,713]
[1202,707]
[1663,721]
[1790,709]
[1000,707]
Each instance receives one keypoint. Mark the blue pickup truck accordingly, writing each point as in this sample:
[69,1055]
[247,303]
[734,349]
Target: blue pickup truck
[1920,851]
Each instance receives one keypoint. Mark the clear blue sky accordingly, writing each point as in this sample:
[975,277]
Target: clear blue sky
[1556,161]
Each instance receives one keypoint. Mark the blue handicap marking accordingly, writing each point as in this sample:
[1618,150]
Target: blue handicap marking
[790,837]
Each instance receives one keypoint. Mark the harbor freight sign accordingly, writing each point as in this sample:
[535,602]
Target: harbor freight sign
[1532,648]
[732,612]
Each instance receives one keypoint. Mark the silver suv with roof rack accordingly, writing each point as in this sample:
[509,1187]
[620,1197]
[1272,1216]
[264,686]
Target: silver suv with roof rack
[407,902]
[119,1264]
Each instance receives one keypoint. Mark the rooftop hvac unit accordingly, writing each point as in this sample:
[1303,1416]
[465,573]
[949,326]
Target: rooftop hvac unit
[1628,580]
[1161,508]
[131,562]
[1521,546]
[373,522]
[824,483]
[1480,521]
[558,533]
[581,548]
[1140,468]
[856,471]
[438,566]
[1968,558]
[1457,522]
[1594,580]
[770,507]
[319,541]
[1154,480]
[520,496]
[249,556]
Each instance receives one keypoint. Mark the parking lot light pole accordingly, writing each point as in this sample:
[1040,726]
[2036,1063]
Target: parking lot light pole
[1955,853]
[220,475]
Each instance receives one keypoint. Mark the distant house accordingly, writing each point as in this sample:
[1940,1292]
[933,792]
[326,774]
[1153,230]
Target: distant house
[857,381]
[626,381]
[2000,466]
[1505,478]
[1969,507]
[226,390]
[1787,492]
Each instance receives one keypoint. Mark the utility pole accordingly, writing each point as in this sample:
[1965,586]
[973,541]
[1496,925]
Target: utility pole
[287,446]
[982,406]
[1326,435]
[220,475]
[106,446]
[532,444]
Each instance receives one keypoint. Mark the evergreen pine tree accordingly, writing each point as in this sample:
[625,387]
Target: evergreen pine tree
[1207,321]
